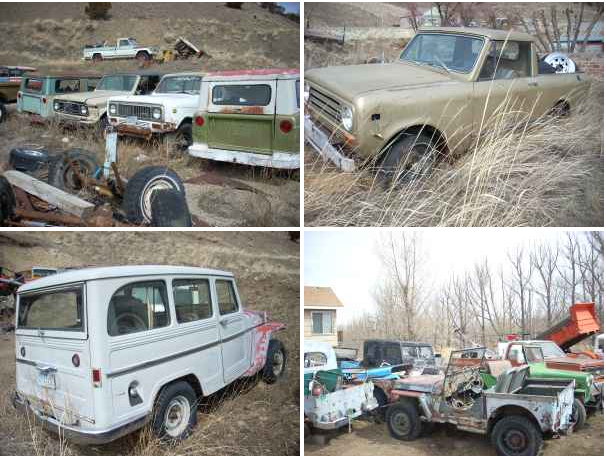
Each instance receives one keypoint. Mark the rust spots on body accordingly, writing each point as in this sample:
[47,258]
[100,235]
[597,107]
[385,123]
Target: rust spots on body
[255,110]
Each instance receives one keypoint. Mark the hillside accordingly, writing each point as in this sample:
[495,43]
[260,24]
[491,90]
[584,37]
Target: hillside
[51,35]
[363,14]
[246,419]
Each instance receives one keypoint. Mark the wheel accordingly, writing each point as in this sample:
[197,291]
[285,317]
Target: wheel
[175,412]
[8,201]
[142,56]
[579,414]
[61,171]
[381,398]
[129,322]
[102,126]
[97,57]
[403,421]
[169,209]
[3,112]
[410,157]
[140,188]
[275,363]
[184,138]
[516,436]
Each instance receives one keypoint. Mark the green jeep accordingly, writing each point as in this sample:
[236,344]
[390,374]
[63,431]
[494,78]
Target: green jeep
[249,117]
[588,394]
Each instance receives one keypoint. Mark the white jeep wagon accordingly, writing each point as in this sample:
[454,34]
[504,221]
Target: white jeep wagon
[100,352]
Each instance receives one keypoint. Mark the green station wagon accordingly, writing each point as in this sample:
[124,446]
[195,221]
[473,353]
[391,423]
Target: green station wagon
[249,117]
[38,92]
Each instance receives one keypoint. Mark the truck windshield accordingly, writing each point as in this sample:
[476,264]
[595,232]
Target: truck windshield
[457,53]
[58,310]
[180,85]
[124,83]
[551,350]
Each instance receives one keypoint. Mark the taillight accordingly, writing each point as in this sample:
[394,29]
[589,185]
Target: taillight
[18,95]
[199,121]
[97,378]
[44,100]
[286,126]
[316,390]
[76,360]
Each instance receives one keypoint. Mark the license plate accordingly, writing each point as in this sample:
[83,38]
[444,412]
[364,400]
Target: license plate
[131,120]
[46,381]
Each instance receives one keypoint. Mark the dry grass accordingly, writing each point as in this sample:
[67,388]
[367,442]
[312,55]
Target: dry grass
[545,174]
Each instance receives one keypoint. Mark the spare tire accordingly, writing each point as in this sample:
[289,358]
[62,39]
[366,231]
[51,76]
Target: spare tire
[140,188]
[8,201]
[169,209]
[61,174]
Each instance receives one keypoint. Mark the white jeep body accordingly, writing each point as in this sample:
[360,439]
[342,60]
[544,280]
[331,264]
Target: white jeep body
[134,330]
[133,115]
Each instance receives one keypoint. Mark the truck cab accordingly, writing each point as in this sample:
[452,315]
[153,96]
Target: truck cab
[101,352]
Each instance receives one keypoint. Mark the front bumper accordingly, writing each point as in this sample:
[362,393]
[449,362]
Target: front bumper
[336,423]
[142,129]
[76,434]
[72,120]
[276,160]
[319,141]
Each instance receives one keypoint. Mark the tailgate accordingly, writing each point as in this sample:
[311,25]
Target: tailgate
[31,103]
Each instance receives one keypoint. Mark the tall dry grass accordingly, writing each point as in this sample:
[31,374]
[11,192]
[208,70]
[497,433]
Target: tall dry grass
[545,173]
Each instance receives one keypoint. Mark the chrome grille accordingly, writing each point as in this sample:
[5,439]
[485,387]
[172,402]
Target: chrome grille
[72,108]
[139,111]
[325,104]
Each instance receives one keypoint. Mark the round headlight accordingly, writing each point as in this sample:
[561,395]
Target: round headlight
[347,118]
[83,109]
[157,113]
[306,92]
[56,106]
[112,109]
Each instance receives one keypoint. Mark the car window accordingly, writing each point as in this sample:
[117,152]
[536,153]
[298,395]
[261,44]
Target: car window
[455,52]
[408,350]
[180,85]
[192,300]
[314,359]
[33,85]
[59,310]
[226,297]
[245,95]
[124,43]
[425,352]
[507,60]
[392,354]
[66,86]
[147,84]
[517,354]
[138,307]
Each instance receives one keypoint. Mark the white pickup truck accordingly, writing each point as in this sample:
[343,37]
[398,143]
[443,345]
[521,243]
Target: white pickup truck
[126,48]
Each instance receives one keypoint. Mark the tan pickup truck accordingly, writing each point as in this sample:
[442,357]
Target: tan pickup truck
[441,92]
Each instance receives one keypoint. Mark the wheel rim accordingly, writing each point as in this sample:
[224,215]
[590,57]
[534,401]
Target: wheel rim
[148,192]
[177,416]
[417,161]
[515,440]
[400,423]
[277,362]
[70,178]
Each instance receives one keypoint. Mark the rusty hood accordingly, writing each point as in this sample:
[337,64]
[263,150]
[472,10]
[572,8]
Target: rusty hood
[353,80]
[575,364]
[92,98]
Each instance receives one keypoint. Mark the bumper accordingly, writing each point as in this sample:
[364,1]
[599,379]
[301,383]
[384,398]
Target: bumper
[319,141]
[276,160]
[75,121]
[142,129]
[80,435]
[367,407]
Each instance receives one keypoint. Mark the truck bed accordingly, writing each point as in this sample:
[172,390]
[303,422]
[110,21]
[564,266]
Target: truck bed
[580,324]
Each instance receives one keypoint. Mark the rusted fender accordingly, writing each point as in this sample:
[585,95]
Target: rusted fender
[262,333]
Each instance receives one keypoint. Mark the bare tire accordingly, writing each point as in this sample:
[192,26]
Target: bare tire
[184,138]
[97,57]
[143,56]
[8,201]
[275,363]
[141,187]
[61,173]
[403,421]
[410,157]
[515,435]
[175,413]
[579,414]
[3,112]
[381,398]
[169,209]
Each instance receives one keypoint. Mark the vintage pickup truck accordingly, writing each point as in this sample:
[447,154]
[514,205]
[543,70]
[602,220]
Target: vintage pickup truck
[515,413]
[249,117]
[169,109]
[126,48]
[441,93]
[90,108]
[38,93]
[10,82]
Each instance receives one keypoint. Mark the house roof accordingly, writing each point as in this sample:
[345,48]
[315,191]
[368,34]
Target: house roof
[320,296]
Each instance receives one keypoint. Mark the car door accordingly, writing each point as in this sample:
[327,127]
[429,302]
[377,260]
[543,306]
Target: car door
[32,95]
[505,85]
[241,115]
[233,330]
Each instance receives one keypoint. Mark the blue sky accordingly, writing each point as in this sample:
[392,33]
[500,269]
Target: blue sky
[291,7]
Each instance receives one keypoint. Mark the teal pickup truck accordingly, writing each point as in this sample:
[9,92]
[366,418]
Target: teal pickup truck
[37,93]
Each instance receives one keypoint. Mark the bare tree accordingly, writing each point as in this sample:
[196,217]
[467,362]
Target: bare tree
[599,14]
[545,260]
[522,275]
[413,14]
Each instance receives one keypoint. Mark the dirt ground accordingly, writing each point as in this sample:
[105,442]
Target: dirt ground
[369,439]
[248,418]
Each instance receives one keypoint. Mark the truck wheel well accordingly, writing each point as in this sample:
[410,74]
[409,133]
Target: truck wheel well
[186,121]
[435,134]
[510,410]
[189,378]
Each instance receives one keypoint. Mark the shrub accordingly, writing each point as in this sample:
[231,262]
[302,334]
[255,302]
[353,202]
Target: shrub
[98,10]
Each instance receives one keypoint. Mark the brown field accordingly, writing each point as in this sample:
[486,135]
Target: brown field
[248,418]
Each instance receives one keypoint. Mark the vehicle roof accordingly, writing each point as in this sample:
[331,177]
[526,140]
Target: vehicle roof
[258,74]
[186,73]
[532,341]
[322,347]
[97,273]
[19,67]
[141,73]
[493,34]
[404,342]
[65,75]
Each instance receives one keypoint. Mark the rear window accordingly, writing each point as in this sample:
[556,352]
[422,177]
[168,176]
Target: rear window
[59,310]
[66,86]
[33,85]
[245,95]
